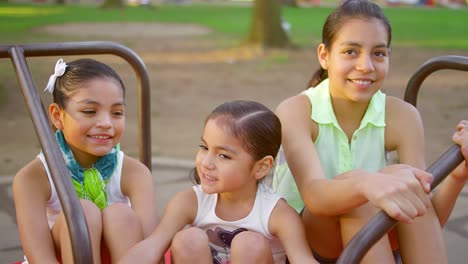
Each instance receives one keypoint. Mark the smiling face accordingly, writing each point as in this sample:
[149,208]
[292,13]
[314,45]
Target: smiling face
[357,60]
[93,120]
[222,163]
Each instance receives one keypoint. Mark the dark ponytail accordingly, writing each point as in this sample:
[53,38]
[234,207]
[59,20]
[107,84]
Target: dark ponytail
[319,75]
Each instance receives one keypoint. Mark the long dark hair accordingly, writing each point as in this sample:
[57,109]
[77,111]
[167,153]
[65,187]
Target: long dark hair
[349,9]
[256,126]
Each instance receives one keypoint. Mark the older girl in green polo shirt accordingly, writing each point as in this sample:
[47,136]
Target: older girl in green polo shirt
[335,139]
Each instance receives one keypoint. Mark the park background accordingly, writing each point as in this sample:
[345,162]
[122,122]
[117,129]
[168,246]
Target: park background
[201,53]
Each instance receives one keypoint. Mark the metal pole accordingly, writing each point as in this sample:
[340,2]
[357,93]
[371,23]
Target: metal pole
[76,222]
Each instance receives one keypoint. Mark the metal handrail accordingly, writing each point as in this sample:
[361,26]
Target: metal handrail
[81,246]
[381,224]
[448,62]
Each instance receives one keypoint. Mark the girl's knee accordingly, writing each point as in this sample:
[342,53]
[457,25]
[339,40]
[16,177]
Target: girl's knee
[191,245]
[59,229]
[92,213]
[190,240]
[120,216]
[252,242]
[93,218]
[119,212]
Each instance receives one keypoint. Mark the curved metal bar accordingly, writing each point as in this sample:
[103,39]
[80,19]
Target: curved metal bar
[74,215]
[381,224]
[104,47]
[449,62]
[70,204]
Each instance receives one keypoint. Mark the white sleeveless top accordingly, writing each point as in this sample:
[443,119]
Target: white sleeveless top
[221,232]
[113,191]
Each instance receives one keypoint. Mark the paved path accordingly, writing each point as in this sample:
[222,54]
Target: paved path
[172,176]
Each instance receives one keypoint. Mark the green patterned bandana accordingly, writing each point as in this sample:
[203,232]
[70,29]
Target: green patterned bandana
[90,184]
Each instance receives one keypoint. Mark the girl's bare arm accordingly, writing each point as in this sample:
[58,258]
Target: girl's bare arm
[137,183]
[446,195]
[408,133]
[31,191]
[180,211]
[286,224]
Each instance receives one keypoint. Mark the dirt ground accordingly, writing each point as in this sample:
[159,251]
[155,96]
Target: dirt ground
[190,74]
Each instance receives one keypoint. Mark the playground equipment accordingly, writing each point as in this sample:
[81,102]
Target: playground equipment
[353,253]
[73,213]
[380,224]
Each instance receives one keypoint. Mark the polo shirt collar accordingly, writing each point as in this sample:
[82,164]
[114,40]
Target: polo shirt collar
[323,110]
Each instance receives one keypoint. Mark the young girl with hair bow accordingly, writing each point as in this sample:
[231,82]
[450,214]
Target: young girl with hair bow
[115,191]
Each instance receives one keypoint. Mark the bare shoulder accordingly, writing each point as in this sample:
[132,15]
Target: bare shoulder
[136,177]
[132,165]
[33,167]
[32,180]
[282,207]
[298,104]
[403,123]
[188,195]
[295,115]
[184,203]
[33,171]
[397,110]
[282,216]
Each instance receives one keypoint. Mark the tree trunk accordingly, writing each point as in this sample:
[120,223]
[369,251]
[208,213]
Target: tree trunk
[292,3]
[267,25]
[113,4]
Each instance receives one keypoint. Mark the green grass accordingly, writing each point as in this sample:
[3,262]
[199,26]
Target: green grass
[412,27]
[435,28]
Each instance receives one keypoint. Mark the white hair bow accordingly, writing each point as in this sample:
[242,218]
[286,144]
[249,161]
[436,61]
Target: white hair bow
[60,68]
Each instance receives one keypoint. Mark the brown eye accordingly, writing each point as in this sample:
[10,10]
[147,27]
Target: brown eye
[202,147]
[223,156]
[380,54]
[88,112]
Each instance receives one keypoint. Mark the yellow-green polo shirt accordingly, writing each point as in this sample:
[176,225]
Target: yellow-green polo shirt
[366,150]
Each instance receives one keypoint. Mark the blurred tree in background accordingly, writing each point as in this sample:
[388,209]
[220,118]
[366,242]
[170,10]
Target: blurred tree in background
[267,27]
[112,4]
